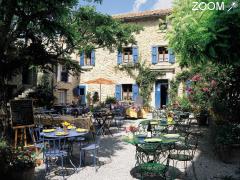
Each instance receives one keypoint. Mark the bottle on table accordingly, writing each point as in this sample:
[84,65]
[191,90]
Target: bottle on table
[149,130]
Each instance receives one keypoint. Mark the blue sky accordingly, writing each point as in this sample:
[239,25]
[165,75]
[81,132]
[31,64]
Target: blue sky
[124,6]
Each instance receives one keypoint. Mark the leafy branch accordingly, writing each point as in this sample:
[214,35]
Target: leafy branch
[145,79]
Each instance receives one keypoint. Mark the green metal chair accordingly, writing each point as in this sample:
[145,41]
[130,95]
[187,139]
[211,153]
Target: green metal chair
[184,151]
[158,166]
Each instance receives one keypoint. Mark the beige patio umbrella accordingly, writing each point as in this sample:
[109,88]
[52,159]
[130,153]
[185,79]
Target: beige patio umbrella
[100,81]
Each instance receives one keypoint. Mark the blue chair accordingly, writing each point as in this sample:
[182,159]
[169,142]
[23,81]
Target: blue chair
[54,148]
[36,137]
[92,147]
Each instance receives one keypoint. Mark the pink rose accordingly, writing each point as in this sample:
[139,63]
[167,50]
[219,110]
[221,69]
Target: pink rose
[205,89]
[196,78]
[213,83]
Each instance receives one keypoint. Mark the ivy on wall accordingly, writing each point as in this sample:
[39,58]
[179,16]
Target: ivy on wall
[145,79]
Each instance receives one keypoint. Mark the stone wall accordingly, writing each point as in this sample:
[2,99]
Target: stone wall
[106,63]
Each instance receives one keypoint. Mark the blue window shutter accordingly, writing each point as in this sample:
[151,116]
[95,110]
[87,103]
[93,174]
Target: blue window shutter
[135,54]
[119,57]
[93,58]
[171,56]
[157,95]
[118,92]
[83,97]
[154,54]
[82,59]
[135,91]
[76,91]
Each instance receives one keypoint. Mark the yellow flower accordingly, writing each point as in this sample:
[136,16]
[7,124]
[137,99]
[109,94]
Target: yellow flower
[66,123]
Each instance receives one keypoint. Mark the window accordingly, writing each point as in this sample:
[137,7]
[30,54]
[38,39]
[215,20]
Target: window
[82,91]
[87,58]
[162,54]
[127,91]
[64,74]
[62,96]
[127,55]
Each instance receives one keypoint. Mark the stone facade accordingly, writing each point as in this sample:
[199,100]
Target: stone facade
[106,62]
[59,85]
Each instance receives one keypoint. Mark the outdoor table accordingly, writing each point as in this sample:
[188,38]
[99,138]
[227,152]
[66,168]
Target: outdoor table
[101,118]
[151,148]
[71,134]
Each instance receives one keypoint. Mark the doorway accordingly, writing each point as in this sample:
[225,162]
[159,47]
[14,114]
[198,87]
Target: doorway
[161,93]
[82,94]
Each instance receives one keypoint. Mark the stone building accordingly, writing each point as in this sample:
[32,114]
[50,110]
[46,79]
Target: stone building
[152,47]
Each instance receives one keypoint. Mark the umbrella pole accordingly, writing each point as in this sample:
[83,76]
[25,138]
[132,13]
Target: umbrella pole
[100,92]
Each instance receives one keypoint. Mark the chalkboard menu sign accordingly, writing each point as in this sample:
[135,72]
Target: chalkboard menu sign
[21,112]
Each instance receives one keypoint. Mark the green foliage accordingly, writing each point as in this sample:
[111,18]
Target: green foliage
[213,87]
[145,79]
[201,36]
[43,94]
[227,134]
[95,97]
[44,33]
[184,103]
[5,152]
[110,100]
[12,159]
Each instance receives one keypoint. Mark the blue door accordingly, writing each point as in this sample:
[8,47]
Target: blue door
[82,93]
[161,93]
[158,95]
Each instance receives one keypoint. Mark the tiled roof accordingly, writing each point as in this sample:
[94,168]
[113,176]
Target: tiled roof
[144,14]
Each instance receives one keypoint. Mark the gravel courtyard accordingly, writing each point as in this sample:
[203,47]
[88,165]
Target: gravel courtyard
[117,161]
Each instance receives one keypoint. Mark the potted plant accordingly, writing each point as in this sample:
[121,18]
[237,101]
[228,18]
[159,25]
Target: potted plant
[95,97]
[5,156]
[22,163]
[17,163]
[110,101]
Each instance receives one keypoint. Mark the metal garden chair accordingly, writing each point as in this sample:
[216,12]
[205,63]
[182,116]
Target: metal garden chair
[36,137]
[184,151]
[156,167]
[53,149]
[92,147]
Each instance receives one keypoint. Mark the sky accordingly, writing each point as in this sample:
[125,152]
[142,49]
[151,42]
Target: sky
[124,6]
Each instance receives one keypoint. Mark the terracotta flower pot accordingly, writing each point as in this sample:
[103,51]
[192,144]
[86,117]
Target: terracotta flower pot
[39,162]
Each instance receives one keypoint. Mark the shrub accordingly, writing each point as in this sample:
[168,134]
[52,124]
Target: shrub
[95,97]
[110,100]
[184,103]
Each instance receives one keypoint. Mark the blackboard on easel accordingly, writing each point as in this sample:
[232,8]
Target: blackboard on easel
[21,112]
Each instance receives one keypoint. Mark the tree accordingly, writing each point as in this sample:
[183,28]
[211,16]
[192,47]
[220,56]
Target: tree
[208,42]
[44,33]
[201,36]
